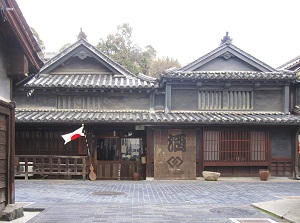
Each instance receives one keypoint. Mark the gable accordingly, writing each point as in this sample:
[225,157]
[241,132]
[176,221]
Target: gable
[76,65]
[227,57]
[230,64]
[82,57]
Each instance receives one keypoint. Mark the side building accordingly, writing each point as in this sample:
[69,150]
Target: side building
[226,111]
[294,65]
[18,59]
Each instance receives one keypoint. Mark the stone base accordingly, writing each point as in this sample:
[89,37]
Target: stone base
[11,212]
[209,175]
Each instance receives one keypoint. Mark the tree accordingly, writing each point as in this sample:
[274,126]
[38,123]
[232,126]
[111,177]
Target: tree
[120,48]
[81,35]
[161,64]
[65,46]
[40,42]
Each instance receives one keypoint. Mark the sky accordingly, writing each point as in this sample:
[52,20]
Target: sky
[181,29]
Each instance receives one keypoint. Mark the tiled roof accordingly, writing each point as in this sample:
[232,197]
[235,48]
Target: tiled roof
[290,64]
[146,117]
[229,75]
[221,47]
[23,32]
[93,81]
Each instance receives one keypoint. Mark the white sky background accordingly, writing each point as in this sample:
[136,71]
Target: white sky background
[184,30]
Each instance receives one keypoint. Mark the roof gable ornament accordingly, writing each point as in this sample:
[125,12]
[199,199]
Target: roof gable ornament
[226,39]
[82,35]
[82,54]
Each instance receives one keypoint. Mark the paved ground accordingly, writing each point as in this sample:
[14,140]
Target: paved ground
[152,201]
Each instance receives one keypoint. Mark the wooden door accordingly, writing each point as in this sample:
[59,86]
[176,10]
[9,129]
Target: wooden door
[108,150]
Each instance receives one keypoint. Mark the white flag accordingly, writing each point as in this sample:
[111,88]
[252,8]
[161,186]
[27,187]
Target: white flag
[73,135]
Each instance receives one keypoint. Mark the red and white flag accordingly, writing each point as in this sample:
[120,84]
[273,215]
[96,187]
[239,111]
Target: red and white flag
[73,135]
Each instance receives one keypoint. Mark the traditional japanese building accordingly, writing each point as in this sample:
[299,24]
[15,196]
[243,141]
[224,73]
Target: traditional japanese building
[226,111]
[18,58]
[294,65]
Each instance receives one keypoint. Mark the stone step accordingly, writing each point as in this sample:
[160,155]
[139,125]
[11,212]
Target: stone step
[12,212]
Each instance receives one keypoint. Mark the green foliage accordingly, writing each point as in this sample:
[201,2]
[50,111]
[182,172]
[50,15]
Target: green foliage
[161,64]
[120,48]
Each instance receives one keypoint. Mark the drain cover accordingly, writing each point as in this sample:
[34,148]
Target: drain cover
[231,211]
[107,193]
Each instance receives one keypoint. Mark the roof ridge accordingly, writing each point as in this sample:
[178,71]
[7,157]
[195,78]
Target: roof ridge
[290,63]
[234,75]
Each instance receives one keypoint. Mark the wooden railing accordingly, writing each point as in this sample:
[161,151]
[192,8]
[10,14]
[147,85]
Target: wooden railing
[29,165]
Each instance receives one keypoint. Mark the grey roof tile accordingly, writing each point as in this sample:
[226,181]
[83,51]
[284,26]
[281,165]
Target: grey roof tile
[91,81]
[97,116]
[229,75]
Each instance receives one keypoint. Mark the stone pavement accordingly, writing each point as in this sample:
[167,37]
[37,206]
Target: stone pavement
[225,200]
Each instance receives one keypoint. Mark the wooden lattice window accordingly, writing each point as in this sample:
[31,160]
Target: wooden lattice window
[236,145]
[225,100]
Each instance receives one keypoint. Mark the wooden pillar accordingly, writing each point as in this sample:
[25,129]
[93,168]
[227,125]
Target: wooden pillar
[149,154]
[199,151]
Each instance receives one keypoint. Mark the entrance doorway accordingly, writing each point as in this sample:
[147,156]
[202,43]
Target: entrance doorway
[117,157]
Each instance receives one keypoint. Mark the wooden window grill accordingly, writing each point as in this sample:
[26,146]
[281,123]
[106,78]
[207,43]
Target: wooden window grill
[236,147]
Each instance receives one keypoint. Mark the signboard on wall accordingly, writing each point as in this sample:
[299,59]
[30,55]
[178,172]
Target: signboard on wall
[175,154]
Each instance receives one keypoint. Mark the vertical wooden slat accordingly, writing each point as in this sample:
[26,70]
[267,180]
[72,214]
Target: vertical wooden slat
[84,168]
[75,166]
[67,165]
[59,165]
[236,145]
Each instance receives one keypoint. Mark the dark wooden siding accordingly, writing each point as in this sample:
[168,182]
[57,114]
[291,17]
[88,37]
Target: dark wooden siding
[7,121]
[3,161]
[43,142]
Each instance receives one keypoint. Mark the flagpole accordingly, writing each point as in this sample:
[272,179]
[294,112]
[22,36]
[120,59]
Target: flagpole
[86,141]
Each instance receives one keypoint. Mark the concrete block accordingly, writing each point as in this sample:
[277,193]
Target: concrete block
[11,212]
[209,175]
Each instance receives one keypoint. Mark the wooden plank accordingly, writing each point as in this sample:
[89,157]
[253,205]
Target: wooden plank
[3,137]
[2,180]
[3,154]
[3,123]
[3,110]
[149,153]
[2,166]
